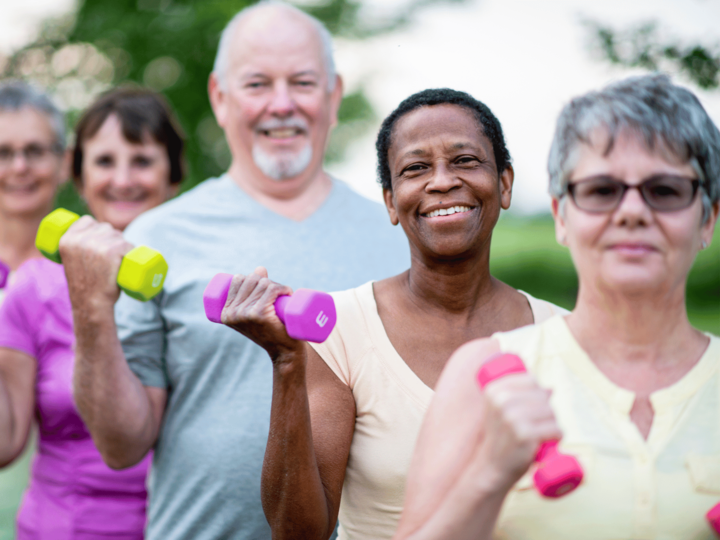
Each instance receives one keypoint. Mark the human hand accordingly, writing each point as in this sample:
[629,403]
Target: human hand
[91,254]
[517,419]
[250,309]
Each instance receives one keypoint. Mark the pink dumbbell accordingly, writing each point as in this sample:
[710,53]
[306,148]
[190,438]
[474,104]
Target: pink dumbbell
[557,474]
[307,315]
[4,273]
[713,517]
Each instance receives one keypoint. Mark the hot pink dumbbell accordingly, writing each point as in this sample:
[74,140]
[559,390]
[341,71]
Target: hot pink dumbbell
[557,474]
[713,517]
[4,273]
[307,315]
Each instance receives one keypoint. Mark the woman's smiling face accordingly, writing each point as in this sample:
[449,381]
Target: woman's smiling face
[122,179]
[445,188]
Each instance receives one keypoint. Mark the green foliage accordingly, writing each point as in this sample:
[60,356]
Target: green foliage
[524,254]
[169,46]
[643,46]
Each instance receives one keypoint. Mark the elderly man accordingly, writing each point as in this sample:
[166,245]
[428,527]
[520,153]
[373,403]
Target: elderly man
[165,377]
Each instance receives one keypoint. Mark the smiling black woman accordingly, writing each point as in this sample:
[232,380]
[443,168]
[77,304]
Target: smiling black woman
[346,413]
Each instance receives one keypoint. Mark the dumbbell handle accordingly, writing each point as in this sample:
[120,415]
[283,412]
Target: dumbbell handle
[507,364]
[315,325]
[216,294]
[558,473]
[713,517]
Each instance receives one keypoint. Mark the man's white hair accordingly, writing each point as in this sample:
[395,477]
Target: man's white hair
[222,58]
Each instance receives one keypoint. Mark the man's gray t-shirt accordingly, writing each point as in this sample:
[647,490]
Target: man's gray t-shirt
[205,478]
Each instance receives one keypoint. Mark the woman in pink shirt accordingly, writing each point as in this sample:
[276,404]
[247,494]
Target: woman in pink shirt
[127,160]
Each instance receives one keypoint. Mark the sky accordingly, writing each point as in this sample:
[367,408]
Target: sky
[523,58]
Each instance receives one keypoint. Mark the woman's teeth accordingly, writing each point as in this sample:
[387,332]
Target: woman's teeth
[448,211]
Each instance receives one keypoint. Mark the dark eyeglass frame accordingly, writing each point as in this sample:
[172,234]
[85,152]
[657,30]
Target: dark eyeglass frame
[643,188]
[33,153]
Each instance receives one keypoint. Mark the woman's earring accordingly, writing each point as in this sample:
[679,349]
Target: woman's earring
[704,244]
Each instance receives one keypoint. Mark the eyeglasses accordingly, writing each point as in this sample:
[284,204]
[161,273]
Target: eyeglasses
[664,193]
[34,154]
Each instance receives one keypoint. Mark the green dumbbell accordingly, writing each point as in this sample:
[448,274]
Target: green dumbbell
[142,270]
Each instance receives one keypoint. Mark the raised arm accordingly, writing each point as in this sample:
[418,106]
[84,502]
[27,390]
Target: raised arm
[472,448]
[311,428]
[311,422]
[122,415]
[17,401]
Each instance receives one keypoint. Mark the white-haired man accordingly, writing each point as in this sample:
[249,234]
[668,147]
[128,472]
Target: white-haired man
[165,377]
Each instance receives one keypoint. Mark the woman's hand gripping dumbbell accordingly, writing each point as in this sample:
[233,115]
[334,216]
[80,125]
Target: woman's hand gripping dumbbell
[307,315]
[91,246]
[557,474]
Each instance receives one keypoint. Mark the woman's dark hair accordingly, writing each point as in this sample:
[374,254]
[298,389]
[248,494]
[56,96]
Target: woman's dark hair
[489,125]
[140,111]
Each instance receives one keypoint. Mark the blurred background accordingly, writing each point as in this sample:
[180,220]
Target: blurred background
[524,59]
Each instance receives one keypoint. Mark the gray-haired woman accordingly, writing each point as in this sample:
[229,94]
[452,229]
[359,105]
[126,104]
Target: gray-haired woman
[33,164]
[635,179]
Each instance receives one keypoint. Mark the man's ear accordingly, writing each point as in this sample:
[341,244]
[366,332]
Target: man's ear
[390,205]
[218,100]
[506,183]
[560,230]
[336,100]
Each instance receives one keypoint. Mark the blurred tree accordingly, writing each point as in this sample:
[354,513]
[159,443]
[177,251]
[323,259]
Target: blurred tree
[644,46]
[169,46]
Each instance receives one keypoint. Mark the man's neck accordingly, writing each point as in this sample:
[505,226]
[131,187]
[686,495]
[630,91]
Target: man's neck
[295,198]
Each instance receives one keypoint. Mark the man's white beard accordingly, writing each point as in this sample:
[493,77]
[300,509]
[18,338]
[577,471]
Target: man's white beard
[282,167]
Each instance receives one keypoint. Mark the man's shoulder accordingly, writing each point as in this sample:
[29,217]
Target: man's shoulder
[354,210]
[346,196]
[183,209]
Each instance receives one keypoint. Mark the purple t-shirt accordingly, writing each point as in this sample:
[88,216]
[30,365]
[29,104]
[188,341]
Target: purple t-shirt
[72,493]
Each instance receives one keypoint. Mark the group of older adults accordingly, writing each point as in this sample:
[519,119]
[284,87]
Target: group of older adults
[382,430]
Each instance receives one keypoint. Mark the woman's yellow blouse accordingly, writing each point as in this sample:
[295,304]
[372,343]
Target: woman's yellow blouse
[659,488]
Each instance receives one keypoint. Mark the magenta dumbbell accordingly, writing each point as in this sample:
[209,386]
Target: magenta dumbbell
[4,273]
[557,474]
[307,315]
[713,517]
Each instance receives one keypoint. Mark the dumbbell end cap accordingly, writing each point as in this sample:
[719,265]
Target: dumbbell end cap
[4,273]
[215,296]
[498,366]
[142,273]
[558,476]
[310,315]
[713,517]
[51,229]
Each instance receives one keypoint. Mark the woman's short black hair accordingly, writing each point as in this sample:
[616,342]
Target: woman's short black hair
[489,125]
[140,111]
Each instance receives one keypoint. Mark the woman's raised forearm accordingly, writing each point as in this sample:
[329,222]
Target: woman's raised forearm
[294,498]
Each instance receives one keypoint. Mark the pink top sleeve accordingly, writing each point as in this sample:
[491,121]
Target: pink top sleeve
[20,307]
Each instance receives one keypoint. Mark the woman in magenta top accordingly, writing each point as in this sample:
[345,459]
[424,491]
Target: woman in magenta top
[127,160]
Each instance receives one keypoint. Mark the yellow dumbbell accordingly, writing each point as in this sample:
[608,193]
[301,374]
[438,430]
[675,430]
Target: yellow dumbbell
[142,270]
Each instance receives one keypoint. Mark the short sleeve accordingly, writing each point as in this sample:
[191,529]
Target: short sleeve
[342,342]
[141,331]
[543,310]
[19,308]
